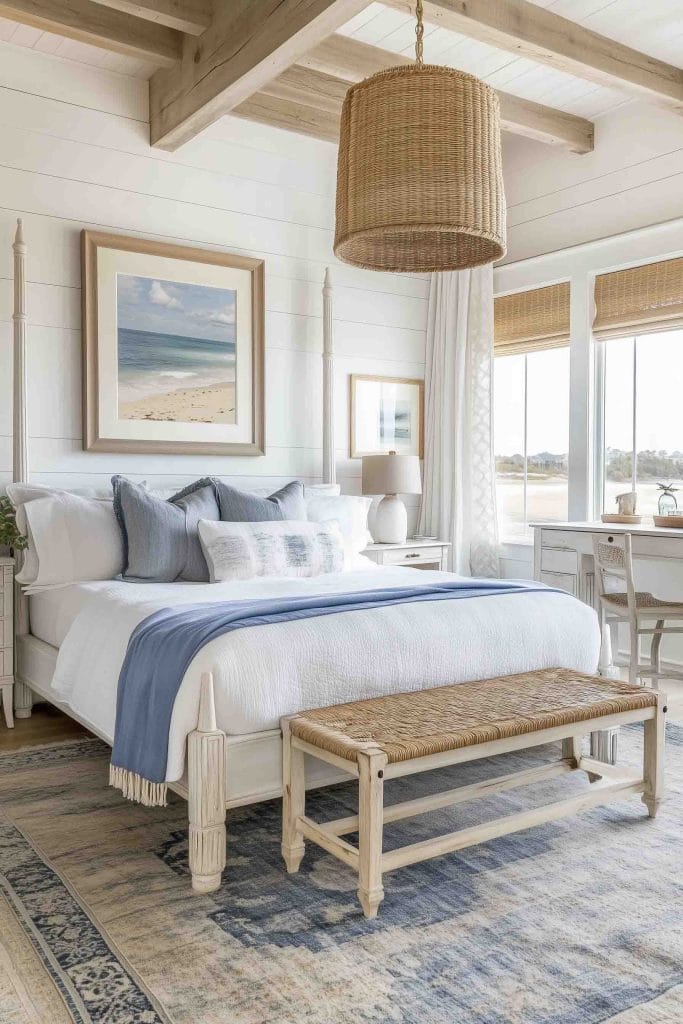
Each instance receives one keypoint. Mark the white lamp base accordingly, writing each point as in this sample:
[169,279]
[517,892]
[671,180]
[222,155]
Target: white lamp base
[391,521]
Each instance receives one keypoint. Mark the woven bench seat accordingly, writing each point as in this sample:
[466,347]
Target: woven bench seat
[410,725]
[388,737]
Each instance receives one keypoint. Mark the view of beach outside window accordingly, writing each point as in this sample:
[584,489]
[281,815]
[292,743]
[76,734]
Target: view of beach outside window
[656,431]
[531,439]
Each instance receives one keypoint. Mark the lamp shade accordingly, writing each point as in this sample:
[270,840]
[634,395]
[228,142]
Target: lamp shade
[419,173]
[391,474]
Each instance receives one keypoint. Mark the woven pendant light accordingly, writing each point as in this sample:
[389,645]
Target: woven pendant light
[419,175]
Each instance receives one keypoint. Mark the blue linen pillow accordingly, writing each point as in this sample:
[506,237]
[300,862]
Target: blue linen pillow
[160,537]
[241,507]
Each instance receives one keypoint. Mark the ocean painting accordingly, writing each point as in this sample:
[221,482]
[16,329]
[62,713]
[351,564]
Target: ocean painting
[395,418]
[386,415]
[176,351]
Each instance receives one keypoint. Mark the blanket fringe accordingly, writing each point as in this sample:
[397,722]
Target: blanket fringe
[134,787]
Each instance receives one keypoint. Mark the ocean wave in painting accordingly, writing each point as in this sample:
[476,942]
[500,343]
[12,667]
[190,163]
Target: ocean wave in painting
[152,364]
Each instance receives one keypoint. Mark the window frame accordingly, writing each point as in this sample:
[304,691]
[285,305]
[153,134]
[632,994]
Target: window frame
[526,538]
[580,264]
[600,417]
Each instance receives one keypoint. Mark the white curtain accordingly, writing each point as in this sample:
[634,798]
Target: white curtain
[459,499]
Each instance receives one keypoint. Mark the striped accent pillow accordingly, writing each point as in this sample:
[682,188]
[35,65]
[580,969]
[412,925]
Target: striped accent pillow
[240,551]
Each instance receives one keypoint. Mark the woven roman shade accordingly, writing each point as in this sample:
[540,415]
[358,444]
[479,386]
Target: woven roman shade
[641,300]
[531,321]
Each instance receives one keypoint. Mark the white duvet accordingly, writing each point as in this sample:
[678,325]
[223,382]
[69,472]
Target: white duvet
[264,672]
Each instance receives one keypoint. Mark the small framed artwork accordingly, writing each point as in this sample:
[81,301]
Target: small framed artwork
[387,414]
[173,348]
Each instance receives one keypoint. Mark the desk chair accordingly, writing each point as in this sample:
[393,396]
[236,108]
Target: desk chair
[614,562]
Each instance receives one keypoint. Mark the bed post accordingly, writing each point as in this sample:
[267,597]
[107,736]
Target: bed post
[206,770]
[329,461]
[23,698]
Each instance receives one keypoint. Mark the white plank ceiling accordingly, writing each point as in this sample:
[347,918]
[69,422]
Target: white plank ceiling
[653,26]
[71,49]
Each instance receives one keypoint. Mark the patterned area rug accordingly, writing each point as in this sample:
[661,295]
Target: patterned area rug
[575,922]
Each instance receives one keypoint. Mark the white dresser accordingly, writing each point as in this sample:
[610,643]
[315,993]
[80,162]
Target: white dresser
[418,554]
[7,637]
[563,552]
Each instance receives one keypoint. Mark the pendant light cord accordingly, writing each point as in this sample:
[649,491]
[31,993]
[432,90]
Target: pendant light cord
[419,33]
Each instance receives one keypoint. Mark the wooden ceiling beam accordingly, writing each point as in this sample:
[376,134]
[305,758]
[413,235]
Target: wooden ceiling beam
[528,30]
[90,22]
[342,58]
[347,58]
[311,88]
[190,16]
[290,115]
[244,48]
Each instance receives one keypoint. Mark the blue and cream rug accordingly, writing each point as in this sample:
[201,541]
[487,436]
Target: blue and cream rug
[575,922]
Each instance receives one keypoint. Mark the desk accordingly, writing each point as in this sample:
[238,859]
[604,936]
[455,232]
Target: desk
[563,552]
[563,558]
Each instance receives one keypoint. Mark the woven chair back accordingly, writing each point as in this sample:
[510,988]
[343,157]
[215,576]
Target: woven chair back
[614,567]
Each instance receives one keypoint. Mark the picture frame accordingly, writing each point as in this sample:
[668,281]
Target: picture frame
[387,414]
[173,348]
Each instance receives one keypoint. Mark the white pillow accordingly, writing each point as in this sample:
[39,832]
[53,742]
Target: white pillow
[350,512]
[19,494]
[241,551]
[322,490]
[70,540]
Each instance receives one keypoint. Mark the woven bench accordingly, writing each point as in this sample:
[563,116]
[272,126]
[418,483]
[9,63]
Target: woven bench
[389,737]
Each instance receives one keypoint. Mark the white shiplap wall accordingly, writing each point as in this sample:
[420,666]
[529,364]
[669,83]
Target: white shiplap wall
[74,153]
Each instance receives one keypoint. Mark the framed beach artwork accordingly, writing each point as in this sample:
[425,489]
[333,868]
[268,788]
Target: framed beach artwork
[386,415]
[173,342]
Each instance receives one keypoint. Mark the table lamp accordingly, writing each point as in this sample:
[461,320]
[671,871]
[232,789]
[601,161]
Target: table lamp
[391,475]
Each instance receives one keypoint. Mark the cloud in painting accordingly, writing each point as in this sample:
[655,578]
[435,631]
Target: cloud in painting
[224,318]
[176,308]
[160,297]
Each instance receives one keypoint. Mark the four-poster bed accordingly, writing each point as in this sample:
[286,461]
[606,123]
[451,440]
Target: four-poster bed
[224,741]
[253,763]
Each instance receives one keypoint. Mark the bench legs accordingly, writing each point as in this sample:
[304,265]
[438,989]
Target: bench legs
[572,748]
[369,860]
[654,731]
[293,801]
[371,767]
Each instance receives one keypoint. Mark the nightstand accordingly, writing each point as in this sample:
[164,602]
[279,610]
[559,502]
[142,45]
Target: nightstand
[417,554]
[7,637]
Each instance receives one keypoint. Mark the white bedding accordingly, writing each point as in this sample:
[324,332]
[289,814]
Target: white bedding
[52,612]
[264,672]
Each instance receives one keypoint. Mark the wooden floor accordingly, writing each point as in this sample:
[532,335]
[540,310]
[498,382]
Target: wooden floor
[46,725]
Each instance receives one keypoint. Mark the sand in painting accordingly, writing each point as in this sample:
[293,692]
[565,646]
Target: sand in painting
[176,351]
[214,403]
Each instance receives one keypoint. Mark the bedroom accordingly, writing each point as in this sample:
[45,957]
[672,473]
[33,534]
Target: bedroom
[203,334]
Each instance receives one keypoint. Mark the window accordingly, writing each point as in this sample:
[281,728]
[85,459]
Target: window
[643,385]
[531,439]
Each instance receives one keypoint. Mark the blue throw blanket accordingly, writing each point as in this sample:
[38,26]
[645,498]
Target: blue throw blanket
[163,645]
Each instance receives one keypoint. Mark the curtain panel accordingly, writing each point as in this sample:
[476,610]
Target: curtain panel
[459,495]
